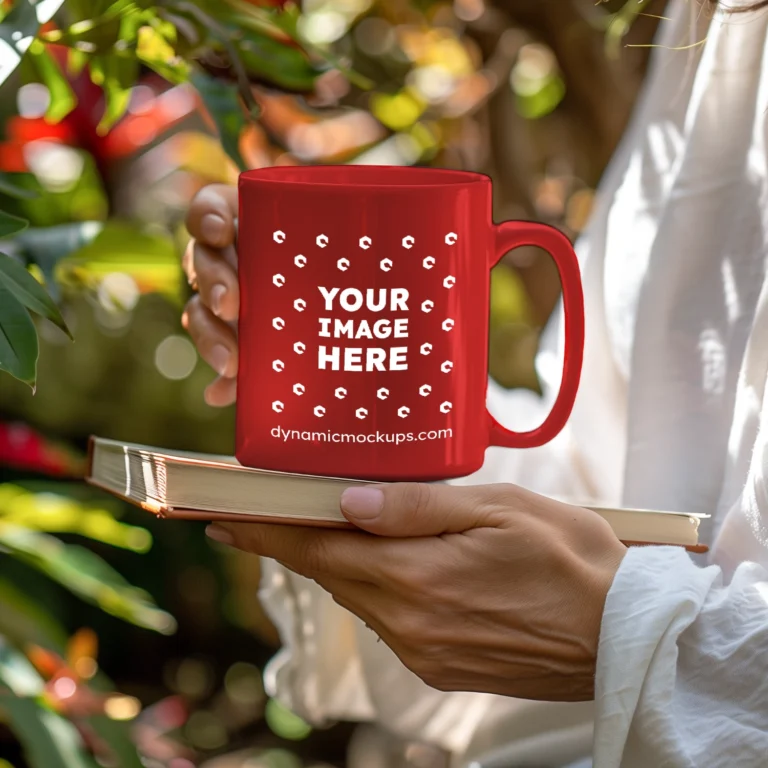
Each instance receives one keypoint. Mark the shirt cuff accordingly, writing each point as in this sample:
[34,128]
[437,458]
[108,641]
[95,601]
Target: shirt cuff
[657,593]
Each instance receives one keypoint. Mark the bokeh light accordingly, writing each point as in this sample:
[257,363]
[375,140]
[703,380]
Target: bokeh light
[64,688]
[469,10]
[118,292]
[122,707]
[57,166]
[32,100]
[536,81]
[374,36]
[192,677]
[175,357]
[205,730]
[243,684]
[322,27]
[285,723]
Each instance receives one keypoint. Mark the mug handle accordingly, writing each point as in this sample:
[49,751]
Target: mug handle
[513,234]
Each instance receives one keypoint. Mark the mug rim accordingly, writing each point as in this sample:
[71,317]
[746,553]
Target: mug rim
[418,177]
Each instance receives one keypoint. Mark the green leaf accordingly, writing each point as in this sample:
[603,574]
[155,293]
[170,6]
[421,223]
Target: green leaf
[86,575]
[116,75]
[242,15]
[10,224]
[18,339]
[80,10]
[154,48]
[10,188]
[118,736]
[150,259]
[222,101]
[295,71]
[63,99]
[20,676]
[46,246]
[17,30]
[17,673]
[48,739]
[76,61]
[29,292]
[281,64]
[95,28]
[24,621]
[54,513]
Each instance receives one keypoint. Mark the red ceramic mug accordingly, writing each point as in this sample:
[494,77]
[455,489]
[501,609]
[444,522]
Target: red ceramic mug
[364,298]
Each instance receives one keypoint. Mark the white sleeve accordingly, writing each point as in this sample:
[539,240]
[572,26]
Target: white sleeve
[682,677]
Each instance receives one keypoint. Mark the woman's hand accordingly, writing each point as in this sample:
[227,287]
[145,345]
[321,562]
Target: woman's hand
[210,262]
[476,588]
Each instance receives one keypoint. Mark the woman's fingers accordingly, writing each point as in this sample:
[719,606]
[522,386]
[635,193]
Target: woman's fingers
[210,262]
[221,392]
[211,216]
[214,278]
[215,340]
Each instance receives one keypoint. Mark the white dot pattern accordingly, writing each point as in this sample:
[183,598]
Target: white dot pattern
[344,264]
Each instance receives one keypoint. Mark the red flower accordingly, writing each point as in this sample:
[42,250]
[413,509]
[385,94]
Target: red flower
[23,448]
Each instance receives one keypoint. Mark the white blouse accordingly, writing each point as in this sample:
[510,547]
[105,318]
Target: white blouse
[670,415]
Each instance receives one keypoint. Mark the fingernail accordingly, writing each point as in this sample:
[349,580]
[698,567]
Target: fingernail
[362,503]
[217,294]
[222,535]
[208,395]
[219,359]
[213,229]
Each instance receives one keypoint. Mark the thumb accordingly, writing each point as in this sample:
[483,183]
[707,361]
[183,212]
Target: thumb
[416,509]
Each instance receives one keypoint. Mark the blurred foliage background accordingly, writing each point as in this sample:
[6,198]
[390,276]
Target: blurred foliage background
[126,641]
